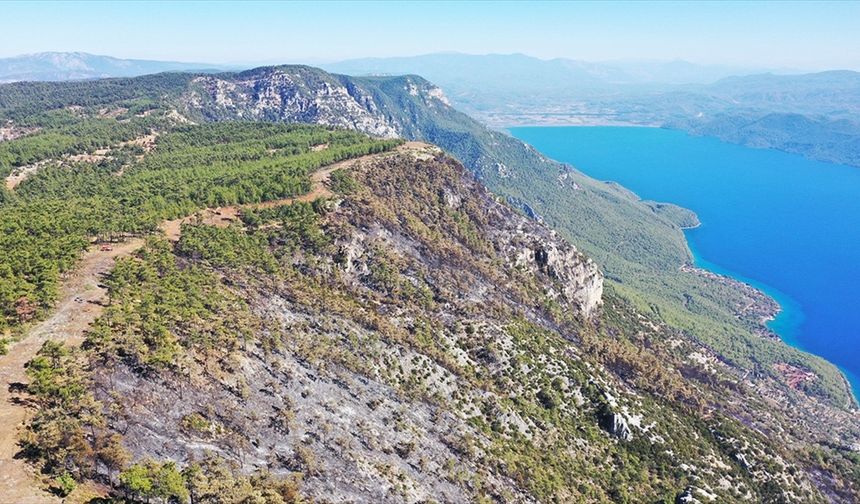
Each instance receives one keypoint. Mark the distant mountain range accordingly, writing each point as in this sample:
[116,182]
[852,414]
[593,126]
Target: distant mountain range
[61,66]
[814,115]
[530,73]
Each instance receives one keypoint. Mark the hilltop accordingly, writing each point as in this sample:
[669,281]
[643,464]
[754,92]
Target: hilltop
[458,322]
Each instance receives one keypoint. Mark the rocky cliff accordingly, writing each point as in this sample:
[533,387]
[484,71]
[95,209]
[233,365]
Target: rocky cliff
[308,95]
[421,341]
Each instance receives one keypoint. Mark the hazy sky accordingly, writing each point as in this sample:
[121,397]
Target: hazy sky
[815,35]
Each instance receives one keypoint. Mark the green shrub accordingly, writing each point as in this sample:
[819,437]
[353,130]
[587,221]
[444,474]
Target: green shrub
[64,484]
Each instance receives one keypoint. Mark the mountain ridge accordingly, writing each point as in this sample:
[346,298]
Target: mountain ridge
[430,304]
[535,93]
[61,66]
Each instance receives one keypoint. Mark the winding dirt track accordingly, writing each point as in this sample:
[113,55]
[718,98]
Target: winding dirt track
[223,216]
[81,302]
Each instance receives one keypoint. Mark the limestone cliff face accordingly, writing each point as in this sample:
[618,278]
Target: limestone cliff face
[308,95]
[579,280]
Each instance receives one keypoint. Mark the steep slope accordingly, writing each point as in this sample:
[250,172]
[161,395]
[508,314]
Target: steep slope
[639,248]
[412,339]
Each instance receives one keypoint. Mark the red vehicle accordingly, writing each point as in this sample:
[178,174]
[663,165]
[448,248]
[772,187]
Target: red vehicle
[105,247]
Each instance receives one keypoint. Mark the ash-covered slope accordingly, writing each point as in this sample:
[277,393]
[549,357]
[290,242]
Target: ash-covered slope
[638,247]
[410,340]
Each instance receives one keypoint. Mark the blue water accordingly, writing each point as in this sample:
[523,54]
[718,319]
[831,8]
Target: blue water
[786,224]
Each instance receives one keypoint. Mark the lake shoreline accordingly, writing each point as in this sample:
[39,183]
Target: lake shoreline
[732,187]
[585,122]
[765,308]
[786,308]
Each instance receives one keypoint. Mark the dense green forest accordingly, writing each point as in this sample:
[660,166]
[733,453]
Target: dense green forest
[83,136]
[53,215]
[24,102]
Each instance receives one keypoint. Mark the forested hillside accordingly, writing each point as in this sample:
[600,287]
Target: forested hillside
[405,334]
[70,201]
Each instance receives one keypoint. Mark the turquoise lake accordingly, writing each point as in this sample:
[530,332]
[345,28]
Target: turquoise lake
[786,224]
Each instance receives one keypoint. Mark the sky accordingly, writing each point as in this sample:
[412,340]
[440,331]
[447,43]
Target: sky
[800,35]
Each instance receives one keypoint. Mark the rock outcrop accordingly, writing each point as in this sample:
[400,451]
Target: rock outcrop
[308,95]
[686,497]
[616,425]
[581,282]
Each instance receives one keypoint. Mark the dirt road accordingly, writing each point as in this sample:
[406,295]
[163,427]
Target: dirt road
[223,216]
[79,305]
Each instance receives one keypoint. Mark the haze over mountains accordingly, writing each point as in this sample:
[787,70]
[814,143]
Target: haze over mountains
[809,114]
[442,68]
[410,335]
[460,71]
[60,66]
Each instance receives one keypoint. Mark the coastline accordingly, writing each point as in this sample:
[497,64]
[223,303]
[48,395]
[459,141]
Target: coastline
[783,322]
[762,308]
[513,120]
[587,124]
[786,320]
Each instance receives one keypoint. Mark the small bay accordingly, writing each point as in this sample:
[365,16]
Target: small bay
[783,223]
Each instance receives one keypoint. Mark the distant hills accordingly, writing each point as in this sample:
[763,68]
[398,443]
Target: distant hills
[814,115]
[456,69]
[61,66]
